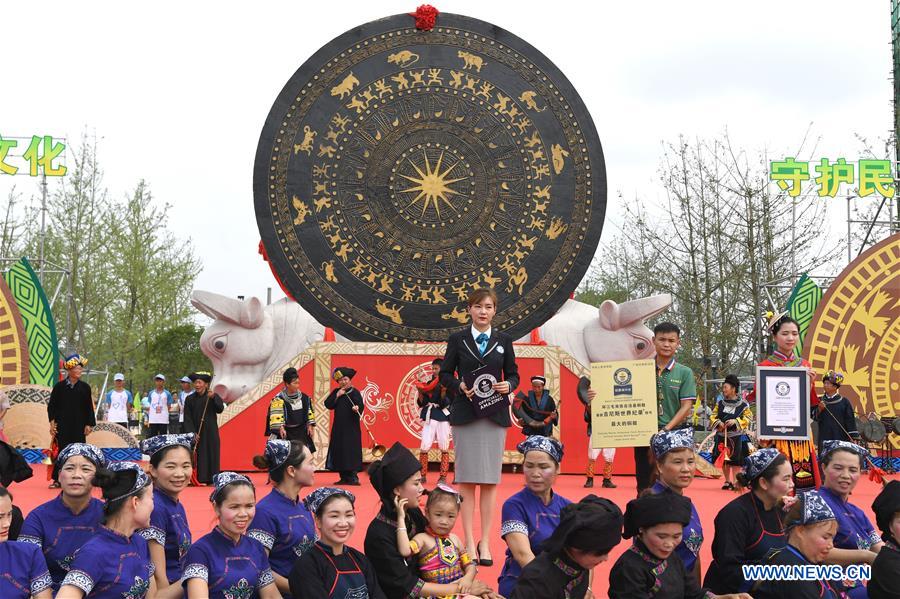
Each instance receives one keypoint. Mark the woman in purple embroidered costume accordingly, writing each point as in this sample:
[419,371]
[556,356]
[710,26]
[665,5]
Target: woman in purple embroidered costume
[673,452]
[587,532]
[437,550]
[531,515]
[331,569]
[168,536]
[856,541]
[24,571]
[885,584]
[811,528]
[116,561]
[62,525]
[282,522]
[651,567]
[226,563]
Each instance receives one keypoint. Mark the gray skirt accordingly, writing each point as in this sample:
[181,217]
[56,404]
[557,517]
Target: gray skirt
[479,451]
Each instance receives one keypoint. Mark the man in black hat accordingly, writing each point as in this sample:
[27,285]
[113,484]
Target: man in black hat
[345,446]
[200,409]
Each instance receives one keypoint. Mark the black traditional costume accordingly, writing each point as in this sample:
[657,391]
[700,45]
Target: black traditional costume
[292,412]
[397,576]
[71,406]
[837,421]
[638,573]
[200,418]
[592,525]
[345,445]
[536,414]
[885,582]
[745,532]
[326,572]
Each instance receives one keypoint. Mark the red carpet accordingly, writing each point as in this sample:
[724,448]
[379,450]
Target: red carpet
[705,493]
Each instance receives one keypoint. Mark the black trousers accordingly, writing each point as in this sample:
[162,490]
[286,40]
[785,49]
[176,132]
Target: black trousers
[158,429]
[642,468]
[349,475]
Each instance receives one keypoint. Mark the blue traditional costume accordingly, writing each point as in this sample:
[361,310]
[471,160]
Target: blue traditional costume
[284,526]
[58,531]
[320,573]
[814,510]
[855,530]
[692,538]
[168,522]
[111,564]
[229,569]
[526,513]
[23,571]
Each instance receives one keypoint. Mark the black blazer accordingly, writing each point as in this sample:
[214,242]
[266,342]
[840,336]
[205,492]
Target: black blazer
[463,356]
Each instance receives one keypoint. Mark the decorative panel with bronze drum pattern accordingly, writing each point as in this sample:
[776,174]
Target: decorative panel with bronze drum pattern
[856,331]
[399,170]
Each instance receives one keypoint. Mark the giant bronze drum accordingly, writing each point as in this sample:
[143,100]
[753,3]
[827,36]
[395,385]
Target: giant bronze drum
[399,170]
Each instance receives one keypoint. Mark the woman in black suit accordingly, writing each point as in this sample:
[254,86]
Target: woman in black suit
[479,442]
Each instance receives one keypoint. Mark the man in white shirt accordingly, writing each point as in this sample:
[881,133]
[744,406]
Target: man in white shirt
[176,419]
[118,401]
[160,400]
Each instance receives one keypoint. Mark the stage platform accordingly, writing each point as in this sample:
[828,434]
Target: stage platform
[705,493]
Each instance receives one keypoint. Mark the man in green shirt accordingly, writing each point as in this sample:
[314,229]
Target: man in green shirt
[676,391]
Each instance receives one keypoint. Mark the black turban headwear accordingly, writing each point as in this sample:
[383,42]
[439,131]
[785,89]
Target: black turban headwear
[594,524]
[885,506]
[650,510]
[391,471]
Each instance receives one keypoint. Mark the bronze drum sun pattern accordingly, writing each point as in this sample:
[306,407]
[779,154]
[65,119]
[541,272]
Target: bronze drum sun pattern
[399,170]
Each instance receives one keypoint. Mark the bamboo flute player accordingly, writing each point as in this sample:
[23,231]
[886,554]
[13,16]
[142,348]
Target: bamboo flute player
[479,441]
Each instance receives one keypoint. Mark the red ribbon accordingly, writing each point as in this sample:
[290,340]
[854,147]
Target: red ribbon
[425,17]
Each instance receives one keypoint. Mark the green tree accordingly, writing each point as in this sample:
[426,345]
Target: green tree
[129,276]
[175,353]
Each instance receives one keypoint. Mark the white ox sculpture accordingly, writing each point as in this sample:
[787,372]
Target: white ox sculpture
[249,341]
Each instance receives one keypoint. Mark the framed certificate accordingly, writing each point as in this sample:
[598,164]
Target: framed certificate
[623,414]
[782,403]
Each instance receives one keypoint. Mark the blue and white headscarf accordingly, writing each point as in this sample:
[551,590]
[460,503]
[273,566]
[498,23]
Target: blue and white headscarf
[94,454]
[277,452]
[223,479]
[814,510]
[548,445]
[665,441]
[315,499]
[141,479]
[160,442]
[757,462]
[831,446]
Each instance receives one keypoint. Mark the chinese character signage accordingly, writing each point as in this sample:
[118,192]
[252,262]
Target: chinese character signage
[38,155]
[623,414]
[873,176]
